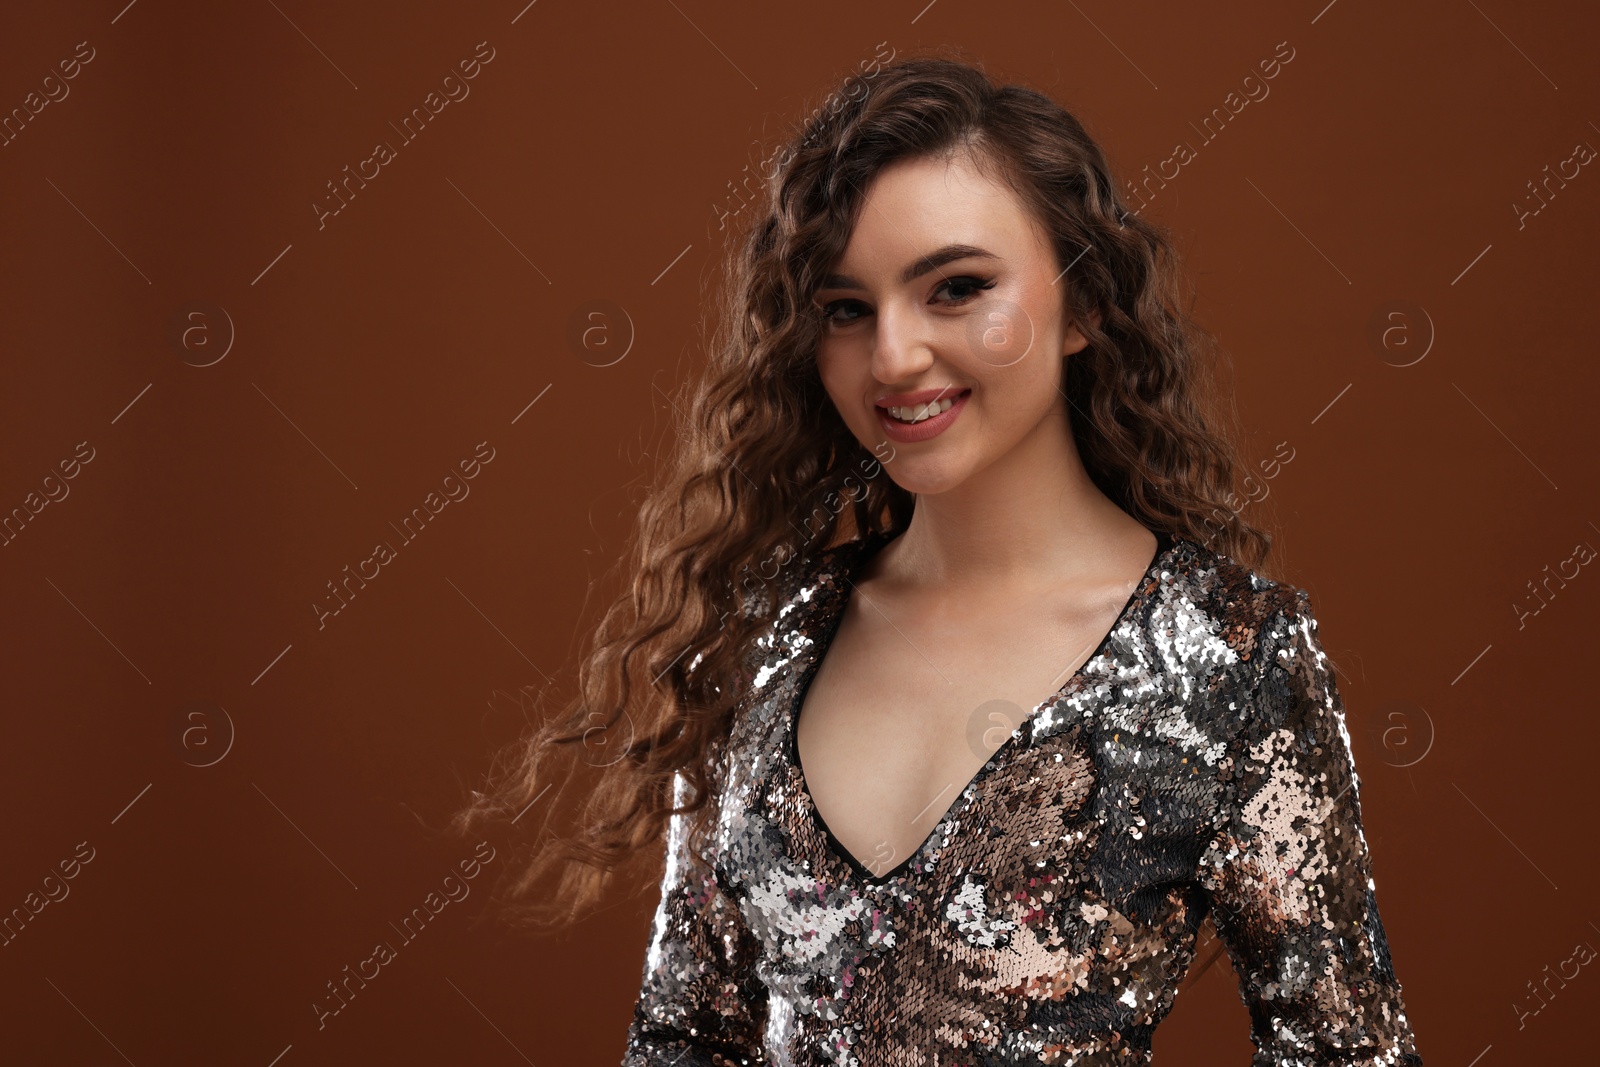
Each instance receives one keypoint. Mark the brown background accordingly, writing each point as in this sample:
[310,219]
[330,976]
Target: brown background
[590,162]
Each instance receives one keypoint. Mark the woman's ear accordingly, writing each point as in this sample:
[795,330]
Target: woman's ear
[1075,341]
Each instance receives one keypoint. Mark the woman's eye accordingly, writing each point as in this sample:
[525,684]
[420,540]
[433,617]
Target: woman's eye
[830,311]
[966,285]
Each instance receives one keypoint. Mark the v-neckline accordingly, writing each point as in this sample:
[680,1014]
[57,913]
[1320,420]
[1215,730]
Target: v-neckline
[845,569]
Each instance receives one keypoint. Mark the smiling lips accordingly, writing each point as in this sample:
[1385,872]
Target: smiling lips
[912,408]
[920,416]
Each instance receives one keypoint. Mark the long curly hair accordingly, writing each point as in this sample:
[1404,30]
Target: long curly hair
[765,474]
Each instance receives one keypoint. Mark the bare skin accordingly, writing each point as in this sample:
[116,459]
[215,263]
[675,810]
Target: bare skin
[1014,566]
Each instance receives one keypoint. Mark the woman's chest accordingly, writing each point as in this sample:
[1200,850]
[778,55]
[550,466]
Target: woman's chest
[1054,873]
[882,763]
[889,728]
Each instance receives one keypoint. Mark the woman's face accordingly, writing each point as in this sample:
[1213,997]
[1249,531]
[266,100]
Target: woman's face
[948,293]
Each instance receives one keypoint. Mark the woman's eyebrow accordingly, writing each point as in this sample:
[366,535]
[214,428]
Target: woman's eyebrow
[932,261]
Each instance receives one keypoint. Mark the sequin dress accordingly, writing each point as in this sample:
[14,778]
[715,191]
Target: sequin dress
[1197,763]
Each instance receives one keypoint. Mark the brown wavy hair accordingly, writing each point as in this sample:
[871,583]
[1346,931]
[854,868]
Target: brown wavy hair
[765,474]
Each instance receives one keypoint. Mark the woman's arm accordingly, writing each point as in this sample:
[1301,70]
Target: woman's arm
[700,1002]
[1288,873]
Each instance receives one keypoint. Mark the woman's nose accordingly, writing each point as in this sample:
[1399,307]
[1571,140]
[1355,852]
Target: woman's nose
[902,345]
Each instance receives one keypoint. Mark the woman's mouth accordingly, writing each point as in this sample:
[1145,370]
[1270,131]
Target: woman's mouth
[919,422]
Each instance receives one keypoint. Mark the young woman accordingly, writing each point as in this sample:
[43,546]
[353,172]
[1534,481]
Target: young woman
[999,706]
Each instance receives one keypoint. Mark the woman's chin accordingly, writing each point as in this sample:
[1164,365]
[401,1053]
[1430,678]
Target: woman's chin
[927,477]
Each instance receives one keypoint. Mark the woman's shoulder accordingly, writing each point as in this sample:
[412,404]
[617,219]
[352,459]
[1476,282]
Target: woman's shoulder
[789,576]
[786,592]
[1239,602]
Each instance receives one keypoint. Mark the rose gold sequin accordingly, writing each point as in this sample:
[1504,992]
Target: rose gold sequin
[1197,764]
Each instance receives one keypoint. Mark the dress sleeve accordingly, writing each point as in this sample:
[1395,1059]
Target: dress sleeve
[1288,874]
[700,1002]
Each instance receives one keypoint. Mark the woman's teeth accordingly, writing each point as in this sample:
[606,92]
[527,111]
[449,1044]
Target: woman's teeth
[922,411]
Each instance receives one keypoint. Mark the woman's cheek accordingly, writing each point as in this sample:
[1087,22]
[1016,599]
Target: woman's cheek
[834,375]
